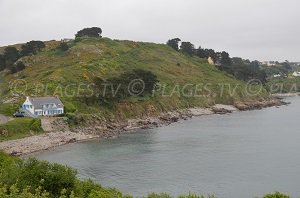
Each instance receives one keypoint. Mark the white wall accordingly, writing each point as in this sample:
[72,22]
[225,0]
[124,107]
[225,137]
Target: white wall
[28,105]
[49,113]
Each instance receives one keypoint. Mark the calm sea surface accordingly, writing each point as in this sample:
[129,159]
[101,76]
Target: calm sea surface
[244,154]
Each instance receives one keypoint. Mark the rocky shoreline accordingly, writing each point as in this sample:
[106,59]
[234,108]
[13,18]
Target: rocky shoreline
[281,95]
[114,128]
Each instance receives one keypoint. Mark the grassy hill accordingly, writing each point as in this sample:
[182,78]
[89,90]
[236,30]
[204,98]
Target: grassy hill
[70,73]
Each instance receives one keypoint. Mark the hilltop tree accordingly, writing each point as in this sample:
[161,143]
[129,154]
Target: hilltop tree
[32,47]
[201,53]
[237,61]
[89,32]
[188,48]
[174,43]
[225,58]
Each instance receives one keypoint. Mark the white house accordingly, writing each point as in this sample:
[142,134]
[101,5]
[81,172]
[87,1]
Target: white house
[296,74]
[42,106]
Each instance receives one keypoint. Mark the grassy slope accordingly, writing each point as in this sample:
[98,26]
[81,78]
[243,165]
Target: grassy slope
[20,128]
[107,58]
[284,85]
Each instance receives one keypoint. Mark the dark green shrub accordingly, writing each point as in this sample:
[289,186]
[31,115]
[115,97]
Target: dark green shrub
[276,195]
[53,178]
[36,125]
[69,107]
[63,46]
[20,66]
[32,47]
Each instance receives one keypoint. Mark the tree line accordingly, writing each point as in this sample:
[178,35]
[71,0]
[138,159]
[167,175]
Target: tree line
[10,58]
[238,67]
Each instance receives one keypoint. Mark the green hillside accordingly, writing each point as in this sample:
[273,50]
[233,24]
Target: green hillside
[70,74]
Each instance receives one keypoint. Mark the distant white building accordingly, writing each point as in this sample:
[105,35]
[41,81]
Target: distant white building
[42,106]
[269,63]
[65,40]
[277,75]
[296,74]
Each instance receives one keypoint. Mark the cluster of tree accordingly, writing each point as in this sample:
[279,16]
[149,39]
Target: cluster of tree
[32,47]
[121,87]
[33,178]
[131,83]
[220,58]
[239,68]
[9,59]
[282,69]
[89,32]
[245,70]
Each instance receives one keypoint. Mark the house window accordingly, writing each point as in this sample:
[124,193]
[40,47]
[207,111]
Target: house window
[36,113]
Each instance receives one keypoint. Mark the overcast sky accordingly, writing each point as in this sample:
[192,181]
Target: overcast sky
[254,29]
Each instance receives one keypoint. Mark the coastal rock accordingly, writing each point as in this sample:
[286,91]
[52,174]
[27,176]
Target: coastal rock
[174,119]
[250,105]
[221,111]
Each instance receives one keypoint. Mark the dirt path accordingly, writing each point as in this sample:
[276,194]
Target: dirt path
[3,119]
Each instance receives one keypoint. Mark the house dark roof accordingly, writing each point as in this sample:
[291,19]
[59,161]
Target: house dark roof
[40,101]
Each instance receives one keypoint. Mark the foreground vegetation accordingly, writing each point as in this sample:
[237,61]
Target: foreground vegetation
[40,179]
